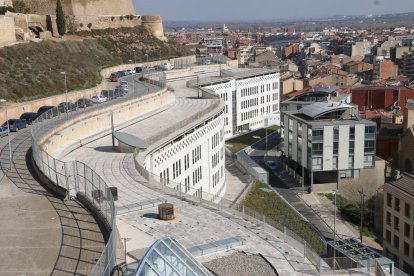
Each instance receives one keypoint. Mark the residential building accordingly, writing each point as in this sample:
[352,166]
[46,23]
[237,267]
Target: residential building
[327,142]
[398,222]
[251,98]
[384,69]
[407,64]
[406,141]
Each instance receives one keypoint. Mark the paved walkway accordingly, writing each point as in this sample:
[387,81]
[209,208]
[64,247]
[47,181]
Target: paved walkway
[40,234]
[194,225]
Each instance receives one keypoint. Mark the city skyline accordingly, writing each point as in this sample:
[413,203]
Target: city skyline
[266,9]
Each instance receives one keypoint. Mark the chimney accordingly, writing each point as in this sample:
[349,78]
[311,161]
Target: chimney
[397,175]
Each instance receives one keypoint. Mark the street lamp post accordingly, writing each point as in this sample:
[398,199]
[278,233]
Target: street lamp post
[8,133]
[334,247]
[66,95]
[361,193]
[133,79]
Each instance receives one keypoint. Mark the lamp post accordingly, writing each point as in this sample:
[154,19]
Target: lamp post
[133,79]
[334,192]
[361,193]
[8,133]
[66,94]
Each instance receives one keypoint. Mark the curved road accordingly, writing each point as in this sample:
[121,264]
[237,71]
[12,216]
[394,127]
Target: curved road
[41,234]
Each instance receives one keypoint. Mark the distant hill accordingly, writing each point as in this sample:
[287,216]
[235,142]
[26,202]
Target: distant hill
[305,24]
[31,70]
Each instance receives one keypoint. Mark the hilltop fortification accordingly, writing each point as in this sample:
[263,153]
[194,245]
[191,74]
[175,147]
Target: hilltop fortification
[83,7]
[81,15]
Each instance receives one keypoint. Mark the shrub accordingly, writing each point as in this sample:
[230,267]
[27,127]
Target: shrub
[112,18]
[81,25]
[89,25]
[121,18]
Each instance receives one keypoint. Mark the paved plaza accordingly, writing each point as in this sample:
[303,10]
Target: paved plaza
[194,225]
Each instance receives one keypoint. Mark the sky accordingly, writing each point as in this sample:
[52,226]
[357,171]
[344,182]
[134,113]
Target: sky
[245,10]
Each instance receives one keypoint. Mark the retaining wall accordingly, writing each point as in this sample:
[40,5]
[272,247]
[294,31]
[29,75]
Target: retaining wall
[16,109]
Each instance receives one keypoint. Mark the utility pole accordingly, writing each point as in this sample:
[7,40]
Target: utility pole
[361,193]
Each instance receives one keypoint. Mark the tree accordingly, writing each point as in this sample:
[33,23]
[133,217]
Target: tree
[60,18]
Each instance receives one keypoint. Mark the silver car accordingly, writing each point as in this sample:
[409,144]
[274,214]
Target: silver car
[3,131]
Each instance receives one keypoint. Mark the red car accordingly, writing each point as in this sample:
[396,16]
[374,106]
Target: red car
[114,77]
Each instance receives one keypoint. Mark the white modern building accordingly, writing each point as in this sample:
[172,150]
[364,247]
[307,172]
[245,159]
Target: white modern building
[327,142]
[251,99]
[193,162]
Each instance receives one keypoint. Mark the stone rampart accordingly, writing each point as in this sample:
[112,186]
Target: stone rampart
[86,23]
[153,23]
[6,3]
[7,29]
[82,7]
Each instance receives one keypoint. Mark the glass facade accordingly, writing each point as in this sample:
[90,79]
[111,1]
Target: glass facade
[167,257]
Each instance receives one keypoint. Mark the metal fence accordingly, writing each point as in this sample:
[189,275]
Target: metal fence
[78,178]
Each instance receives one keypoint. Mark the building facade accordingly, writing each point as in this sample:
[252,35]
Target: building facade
[251,99]
[327,142]
[398,222]
[193,162]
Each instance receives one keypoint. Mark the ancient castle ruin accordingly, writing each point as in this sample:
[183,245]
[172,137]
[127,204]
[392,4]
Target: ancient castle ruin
[80,15]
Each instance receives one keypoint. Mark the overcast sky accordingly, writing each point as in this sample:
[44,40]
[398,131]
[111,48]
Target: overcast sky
[239,10]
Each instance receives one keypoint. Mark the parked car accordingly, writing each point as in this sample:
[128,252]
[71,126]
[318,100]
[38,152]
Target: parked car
[271,165]
[66,107]
[99,98]
[29,117]
[15,124]
[131,71]
[4,131]
[82,103]
[114,77]
[138,69]
[44,109]
[167,66]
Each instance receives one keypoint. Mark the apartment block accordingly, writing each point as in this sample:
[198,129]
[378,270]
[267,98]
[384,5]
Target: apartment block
[251,99]
[326,142]
[398,223]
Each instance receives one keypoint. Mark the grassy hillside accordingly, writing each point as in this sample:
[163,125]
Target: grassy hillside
[32,70]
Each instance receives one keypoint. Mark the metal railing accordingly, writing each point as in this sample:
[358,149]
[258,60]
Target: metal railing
[78,178]
[213,201]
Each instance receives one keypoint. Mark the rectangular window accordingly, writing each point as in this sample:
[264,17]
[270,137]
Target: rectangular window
[389,200]
[388,218]
[396,242]
[407,210]
[396,204]
[388,236]
[396,223]
[406,249]
[407,229]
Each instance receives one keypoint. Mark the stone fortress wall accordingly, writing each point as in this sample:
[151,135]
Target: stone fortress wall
[99,14]
[7,32]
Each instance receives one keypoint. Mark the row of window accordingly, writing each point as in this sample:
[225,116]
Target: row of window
[245,92]
[197,175]
[216,178]
[224,96]
[395,204]
[215,159]
[395,242]
[177,169]
[196,154]
[215,140]
[249,114]
[249,103]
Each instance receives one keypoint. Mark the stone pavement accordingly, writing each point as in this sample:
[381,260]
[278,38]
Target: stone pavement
[40,234]
[194,225]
